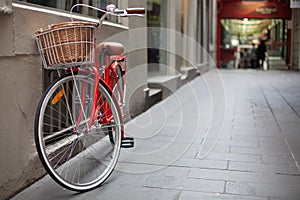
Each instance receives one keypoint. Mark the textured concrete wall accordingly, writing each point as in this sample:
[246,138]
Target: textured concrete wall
[137,62]
[21,89]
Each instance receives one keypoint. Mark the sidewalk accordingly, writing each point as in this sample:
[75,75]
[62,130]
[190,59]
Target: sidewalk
[255,155]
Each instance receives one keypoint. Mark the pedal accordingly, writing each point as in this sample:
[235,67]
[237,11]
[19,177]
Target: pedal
[127,142]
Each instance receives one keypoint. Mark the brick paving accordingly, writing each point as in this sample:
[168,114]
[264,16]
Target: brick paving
[255,156]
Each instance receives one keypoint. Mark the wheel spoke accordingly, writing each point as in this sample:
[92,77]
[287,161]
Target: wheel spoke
[77,156]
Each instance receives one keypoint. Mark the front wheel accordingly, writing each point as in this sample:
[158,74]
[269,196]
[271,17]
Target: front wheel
[76,154]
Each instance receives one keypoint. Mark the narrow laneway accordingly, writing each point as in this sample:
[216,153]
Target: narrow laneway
[255,156]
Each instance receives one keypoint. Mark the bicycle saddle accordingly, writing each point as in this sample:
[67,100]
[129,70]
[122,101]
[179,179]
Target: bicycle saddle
[113,48]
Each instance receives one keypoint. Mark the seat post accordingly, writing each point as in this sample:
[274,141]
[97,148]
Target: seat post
[103,57]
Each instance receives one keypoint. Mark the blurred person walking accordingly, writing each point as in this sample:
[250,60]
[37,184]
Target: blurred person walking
[261,52]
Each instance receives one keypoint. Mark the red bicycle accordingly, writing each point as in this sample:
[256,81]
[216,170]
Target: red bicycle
[79,127]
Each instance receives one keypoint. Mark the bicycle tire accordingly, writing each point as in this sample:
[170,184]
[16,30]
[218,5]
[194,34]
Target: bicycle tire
[77,158]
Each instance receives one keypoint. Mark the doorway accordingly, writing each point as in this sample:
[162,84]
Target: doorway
[242,22]
[241,37]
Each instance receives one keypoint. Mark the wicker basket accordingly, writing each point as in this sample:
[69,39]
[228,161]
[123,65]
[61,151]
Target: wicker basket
[67,44]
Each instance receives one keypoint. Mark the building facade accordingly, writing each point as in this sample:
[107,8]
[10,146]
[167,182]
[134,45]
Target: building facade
[181,41]
[295,49]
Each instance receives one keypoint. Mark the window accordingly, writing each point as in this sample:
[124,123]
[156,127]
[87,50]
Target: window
[67,5]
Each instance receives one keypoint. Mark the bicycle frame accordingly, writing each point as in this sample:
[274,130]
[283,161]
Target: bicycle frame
[110,79]
[105,73]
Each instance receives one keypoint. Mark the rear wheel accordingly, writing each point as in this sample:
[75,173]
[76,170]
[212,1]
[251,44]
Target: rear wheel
[77,155]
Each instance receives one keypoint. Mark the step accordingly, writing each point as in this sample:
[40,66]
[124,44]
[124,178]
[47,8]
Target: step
[168,84]
[274,53]
[189,73]
[155,96]
[277,63]
[279,67]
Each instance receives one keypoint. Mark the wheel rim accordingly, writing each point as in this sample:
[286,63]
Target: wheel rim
[77,158]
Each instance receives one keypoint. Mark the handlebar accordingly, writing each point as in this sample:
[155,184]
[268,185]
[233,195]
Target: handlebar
[112,10]
[135,11]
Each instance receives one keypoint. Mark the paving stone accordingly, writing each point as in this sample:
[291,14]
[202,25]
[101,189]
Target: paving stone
[245,132]
[139,168]
[243,124]
[188,195]
[44,189]
[265,124]
[269,132]
[217,149]
[244,176]
[281,198]
[166,157]
[235,157]
[271,138]
[270,168]
[278,144]
[244,137]
[175,183]
[225,135]
[280,160]
[247,129]
[238,143]
[244,119]
[129,193]
[201,163]
[267,190]
[261,151]
[135,170]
